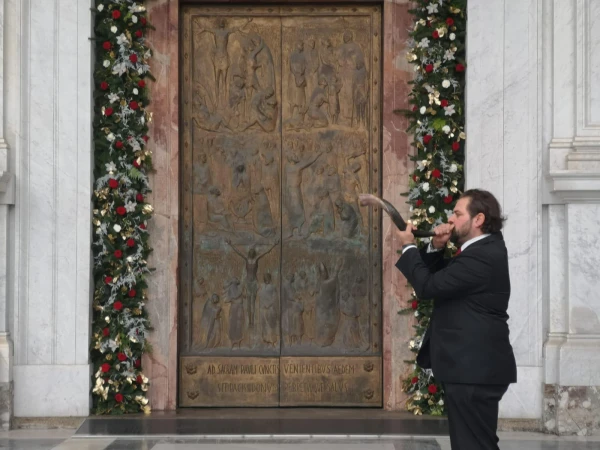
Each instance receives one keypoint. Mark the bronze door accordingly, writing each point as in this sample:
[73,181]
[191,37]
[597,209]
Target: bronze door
[280,278]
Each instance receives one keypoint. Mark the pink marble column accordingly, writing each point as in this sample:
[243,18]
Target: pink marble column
[397,329]
[161,365]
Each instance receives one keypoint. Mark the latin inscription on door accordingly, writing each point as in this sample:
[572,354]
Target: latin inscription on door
[280,134]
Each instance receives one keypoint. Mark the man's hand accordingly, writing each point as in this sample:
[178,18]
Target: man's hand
[406,237]
[443,233]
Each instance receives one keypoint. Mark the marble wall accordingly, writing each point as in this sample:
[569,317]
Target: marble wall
[534,141]
[47,113]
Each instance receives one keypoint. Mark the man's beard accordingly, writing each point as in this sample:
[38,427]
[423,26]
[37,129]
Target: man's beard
[458,236]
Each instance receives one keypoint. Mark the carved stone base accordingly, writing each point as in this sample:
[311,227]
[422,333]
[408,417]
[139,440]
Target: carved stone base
[572,410]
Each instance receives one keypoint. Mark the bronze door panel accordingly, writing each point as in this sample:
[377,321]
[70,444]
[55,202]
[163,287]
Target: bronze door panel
[281,132]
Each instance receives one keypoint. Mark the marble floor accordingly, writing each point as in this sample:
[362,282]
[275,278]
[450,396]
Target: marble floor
[67,440]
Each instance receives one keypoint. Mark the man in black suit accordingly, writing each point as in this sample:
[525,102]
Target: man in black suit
[467,342]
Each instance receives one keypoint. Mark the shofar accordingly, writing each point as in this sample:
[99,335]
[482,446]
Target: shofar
[373,200]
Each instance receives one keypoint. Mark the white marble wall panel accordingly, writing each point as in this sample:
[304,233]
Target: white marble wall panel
[593,63]
[583,265]
[523,400]
[49,72]
[485,96]
[564,70]
[502,148]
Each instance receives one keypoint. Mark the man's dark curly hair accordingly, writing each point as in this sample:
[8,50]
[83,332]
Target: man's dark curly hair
[484,202]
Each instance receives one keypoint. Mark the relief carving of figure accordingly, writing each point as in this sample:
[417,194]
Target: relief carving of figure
[270,176]
[202,175]
[351,60]
[294,323]
[217,213]
[312,66]
[220,57]
[322,220]
[297,83]
[328,306]
[348,219]
[209,333]
[263,110]
[251,281]
[263,218]
[269,311]
[294,203]
[316,116]
[234,295]
[203,117]
[307,299]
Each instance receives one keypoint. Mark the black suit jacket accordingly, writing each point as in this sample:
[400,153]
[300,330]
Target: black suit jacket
[467,340]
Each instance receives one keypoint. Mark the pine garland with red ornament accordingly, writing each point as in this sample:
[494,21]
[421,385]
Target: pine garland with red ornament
[120,324]
[437,52]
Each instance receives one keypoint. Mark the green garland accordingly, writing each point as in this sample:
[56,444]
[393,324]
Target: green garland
[120,246]
[437,51]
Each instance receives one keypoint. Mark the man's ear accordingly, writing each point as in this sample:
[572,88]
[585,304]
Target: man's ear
[479,220]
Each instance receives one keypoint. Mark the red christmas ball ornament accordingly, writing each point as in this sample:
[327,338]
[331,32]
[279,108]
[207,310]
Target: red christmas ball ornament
[415,108]
[108,280]
[436,173]
[448,199]
[113,184]
[143,226]
[432,389]
[136,164]
[139,33]
[460,68]
[105,332]
[108,111]
[415,178]
[105,367]
[106,46]
[121,210]
[139,379]
[122,357]
[429,68]
[141,84]
[118,254]
[143,21]
[133,58]
[427,139]
[119,398]
[132,293]
[444,103]
[146,138]
[130,242]
[137,364]
[435,34]
[119,144]
[414,304]
[133,105]
[117,306]
[455,146]
[449,21]
[414,380]
[419,202]
[139,198]
[104,85]
[116,14]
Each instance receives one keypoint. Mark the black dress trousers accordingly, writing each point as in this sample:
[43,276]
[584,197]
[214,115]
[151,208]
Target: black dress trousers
[473,415]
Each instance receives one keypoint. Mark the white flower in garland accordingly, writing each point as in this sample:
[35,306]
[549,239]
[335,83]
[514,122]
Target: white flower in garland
[135,91]
[111,167]
[117,228]
[110,137]
[424,43]
[446,84]
[425,187]
[431,209]
[112,97]
[432,8]
[449,55]
[122,39]
[452,36]
[423,110]
[449,110]
[446,129]
[134,19]
[453,168]
[130,206]
[114,29]
[100,7]
[106,63]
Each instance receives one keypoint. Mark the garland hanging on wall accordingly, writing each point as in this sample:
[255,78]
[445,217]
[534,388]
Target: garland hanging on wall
[120,323]
[437,52]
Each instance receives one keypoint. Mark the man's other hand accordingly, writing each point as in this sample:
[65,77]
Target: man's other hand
[443,233]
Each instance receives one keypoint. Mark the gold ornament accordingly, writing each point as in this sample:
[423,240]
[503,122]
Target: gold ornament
[453,189]
[462,135]
[147,209]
